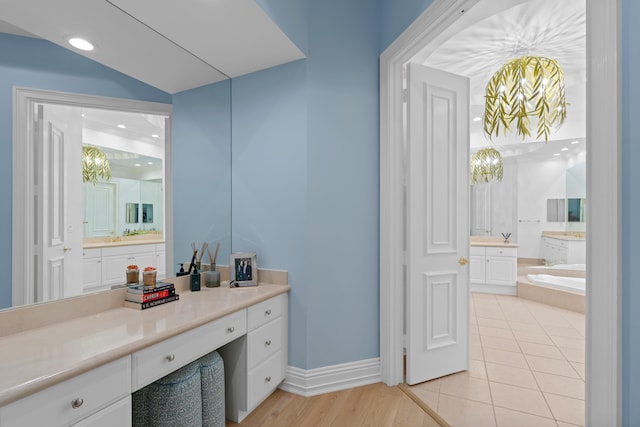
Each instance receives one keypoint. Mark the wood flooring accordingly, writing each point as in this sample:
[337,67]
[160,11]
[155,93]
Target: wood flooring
[371,405]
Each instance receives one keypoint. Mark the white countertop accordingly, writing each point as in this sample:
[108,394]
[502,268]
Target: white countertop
[38,358]
[491,241]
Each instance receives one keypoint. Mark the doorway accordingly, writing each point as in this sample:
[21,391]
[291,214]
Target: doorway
[603,391]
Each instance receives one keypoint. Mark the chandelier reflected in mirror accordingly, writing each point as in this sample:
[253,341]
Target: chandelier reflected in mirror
[95,165]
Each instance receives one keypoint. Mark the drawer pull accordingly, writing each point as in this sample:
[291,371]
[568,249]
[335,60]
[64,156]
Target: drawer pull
[268,379]
[267,343]
[77,402]
[171,357]
[230,329]
[268,312]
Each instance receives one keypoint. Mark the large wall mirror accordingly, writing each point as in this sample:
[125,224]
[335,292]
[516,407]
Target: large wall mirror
[146,173]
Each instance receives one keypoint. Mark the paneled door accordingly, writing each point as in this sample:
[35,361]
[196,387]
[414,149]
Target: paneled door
[437,330]
[59,201]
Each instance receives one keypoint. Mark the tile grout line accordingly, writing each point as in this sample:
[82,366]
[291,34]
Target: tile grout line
[486,372]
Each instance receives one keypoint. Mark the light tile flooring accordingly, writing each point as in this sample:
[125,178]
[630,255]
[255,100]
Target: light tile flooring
[527,368]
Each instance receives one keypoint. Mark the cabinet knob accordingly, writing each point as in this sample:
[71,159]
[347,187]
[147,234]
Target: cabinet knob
[268,379]
[230,329]
[77,402]
[171,357]
[267,343]
[268,312]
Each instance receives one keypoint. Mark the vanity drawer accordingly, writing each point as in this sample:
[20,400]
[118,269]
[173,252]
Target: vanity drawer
[476,250]
[165,357]
[512,252]
[263,342]
[263,312]
[263,379]
[54,406]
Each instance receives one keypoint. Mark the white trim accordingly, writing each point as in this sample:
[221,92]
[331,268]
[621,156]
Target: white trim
[603,353]
[603,399]
[312,382]
[23,99]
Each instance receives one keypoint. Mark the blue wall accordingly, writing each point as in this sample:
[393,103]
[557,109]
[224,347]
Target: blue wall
[201,137]
[305,148]
[269,180]
[630,209]
[36,63]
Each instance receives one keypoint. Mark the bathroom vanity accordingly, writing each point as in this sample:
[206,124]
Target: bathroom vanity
[493,265]
[81,370]
[560,247]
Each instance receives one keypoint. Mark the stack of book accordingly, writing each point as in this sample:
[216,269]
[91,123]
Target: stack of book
[141,297]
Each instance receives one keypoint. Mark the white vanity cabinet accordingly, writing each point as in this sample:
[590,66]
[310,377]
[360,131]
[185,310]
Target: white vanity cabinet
[493,269]
[563,251]
[255,366]
[104,267]
[91,269]
[100,397]
[116,259]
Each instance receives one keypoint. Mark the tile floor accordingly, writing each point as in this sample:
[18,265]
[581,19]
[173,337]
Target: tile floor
[527,368]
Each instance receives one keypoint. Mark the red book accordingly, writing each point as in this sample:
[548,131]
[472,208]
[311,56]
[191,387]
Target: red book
[163,293]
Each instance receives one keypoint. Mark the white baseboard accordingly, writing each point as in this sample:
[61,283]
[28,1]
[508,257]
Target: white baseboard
[331,378]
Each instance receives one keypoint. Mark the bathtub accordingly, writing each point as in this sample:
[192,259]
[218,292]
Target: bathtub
[571,284]
[576,267]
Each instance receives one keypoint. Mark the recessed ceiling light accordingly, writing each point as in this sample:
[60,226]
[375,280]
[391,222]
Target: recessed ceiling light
[82,114]
[122,126]
[575,142]
[565,149]
[155,135]
[477,119]
[556,154]
[149,163]
[137,164]
[81,44]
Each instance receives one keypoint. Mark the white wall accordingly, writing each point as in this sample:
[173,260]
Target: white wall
[537,182]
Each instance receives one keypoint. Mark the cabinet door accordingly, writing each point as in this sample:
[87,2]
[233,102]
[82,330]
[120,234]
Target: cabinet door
[114,267]
[91,273]
[501,270]
[161,264]
[476,268]
[147,259]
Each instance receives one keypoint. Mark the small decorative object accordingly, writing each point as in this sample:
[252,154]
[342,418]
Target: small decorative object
[194,280]
[506,237]
[525,88]
[212,279]
[243,269]
[485,165]
[95,164]
[149,276]
[133,274]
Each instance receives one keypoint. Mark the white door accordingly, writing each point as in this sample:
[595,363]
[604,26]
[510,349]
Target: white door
[99,209]
[438,224]
[58,243]
[481,209]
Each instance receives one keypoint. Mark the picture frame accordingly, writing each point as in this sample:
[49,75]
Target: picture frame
[243,269]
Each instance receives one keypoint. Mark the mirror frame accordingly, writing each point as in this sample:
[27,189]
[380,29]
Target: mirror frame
[22,213]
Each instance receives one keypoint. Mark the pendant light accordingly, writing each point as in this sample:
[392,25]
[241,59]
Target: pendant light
[486,164]
[525,88]
[95,165]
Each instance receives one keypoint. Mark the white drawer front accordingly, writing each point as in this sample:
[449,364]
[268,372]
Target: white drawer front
[263,379]
[476,250]
[263,312]
[502,252]
[165,357]
[118,414]
[54,406]
[92,253]
[263,342]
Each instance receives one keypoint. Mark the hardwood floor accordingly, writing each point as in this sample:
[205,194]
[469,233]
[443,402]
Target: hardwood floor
[371,405]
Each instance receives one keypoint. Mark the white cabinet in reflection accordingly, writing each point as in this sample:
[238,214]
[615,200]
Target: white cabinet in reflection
[105,267]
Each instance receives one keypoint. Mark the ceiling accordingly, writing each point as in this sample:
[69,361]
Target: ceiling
[171,45]
[495,31]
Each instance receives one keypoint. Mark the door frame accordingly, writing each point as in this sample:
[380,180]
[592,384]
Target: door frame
[22,199]
[603,399]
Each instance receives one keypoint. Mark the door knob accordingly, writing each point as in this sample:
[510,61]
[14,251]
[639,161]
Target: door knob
[463,261]
[66,249]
